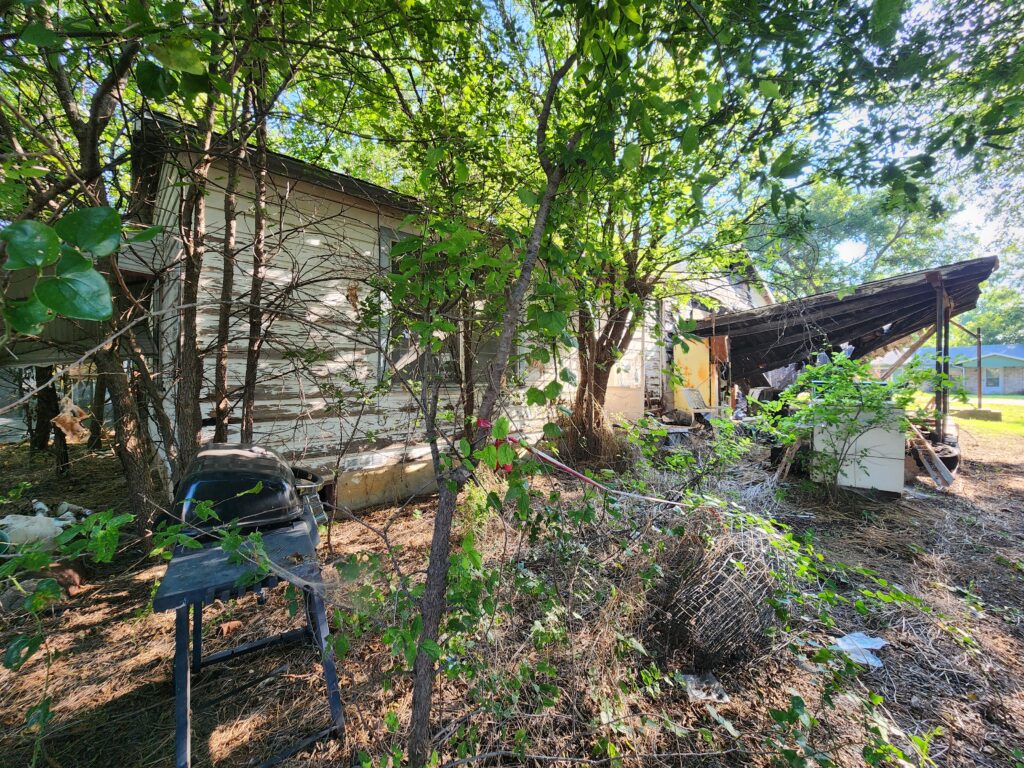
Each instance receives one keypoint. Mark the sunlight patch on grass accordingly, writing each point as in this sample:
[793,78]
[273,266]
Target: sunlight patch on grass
[1012,423]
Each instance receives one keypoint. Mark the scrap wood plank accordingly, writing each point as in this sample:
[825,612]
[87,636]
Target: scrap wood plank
[787,460]
[938,471]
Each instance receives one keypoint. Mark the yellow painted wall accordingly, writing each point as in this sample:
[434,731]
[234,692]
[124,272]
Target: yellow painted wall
[694,366]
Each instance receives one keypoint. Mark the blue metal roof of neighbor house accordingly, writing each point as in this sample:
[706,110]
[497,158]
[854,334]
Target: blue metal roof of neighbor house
[992,355]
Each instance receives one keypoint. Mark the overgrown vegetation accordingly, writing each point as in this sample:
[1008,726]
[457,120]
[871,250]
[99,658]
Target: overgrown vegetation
[569,168]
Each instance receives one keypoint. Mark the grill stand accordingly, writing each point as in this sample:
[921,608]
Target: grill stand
[196,577]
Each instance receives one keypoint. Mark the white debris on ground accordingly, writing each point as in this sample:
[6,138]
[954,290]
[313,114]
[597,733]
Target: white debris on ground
[41,529]
[704,687]
[858,646]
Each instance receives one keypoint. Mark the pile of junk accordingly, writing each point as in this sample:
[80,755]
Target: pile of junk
[742,359]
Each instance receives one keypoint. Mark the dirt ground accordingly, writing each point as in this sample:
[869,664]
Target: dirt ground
[959,667]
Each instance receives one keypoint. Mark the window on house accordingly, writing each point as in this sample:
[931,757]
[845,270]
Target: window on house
[993,377]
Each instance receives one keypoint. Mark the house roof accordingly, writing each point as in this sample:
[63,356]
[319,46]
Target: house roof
[867,318]
[166,133]
[967,356]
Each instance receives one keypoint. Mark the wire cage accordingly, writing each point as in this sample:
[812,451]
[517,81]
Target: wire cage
[716,609]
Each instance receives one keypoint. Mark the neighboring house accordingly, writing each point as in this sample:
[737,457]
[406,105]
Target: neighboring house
[328,235]
[1002,366]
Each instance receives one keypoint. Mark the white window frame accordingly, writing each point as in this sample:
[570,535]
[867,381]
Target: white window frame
[986,371]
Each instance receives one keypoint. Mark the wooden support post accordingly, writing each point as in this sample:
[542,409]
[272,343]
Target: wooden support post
[981,378]
[946,309]
[940,324]
[906,355]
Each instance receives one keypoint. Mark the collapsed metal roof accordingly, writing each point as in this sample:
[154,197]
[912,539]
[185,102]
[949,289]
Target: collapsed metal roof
[866,318]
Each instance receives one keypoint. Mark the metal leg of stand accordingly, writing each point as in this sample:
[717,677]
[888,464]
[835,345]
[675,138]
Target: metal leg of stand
[197,637]
[182,691]
[316,615]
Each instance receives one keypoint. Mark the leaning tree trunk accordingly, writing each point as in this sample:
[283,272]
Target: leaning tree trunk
[130,440]
[451,482]
[193,238]
[47,409]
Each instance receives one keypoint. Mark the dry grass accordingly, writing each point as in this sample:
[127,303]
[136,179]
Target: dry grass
[111,674]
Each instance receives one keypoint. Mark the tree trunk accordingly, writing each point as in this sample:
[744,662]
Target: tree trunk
[432,607]
[222,407]
[99,405]
[450,484]
[130,440]
[589,430]
[468,370]
[47,408]
[61,459]
[590,433]
[193,238]
[259,271]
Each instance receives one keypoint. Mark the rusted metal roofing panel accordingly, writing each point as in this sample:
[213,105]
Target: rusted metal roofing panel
[869,317]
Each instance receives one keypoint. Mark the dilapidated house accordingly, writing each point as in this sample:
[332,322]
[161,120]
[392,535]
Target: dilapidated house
[323,396]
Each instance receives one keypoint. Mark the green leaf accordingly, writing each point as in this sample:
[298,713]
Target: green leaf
[28,316]
[553,322]
[30,244]
[146,235]
[489,456]
[179,54]
[154,81]
[690,140]
[885,19]
[552,390]
[501,428]
[536,396]
[72,260]
[552,431]
[505,454]
[20,650]
[193,84]
[254,491]
[220,84]
[461,172]
[715,92]
[769,89]
[82,295]
[631,156]
[528,196]
[47,591]
[632,14]
[431,648]
[96,230]
[38,35]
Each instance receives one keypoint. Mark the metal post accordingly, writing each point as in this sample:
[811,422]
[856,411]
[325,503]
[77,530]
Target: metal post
[197,637]
[945,362]
[977,336]
[940,325]
[182,692]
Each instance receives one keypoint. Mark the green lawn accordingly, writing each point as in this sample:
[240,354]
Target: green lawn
[1012,423]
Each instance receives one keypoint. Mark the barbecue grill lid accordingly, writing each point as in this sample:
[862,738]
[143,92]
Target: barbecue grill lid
[228,474]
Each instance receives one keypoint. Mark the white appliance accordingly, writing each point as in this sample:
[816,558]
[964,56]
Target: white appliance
[870,458]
